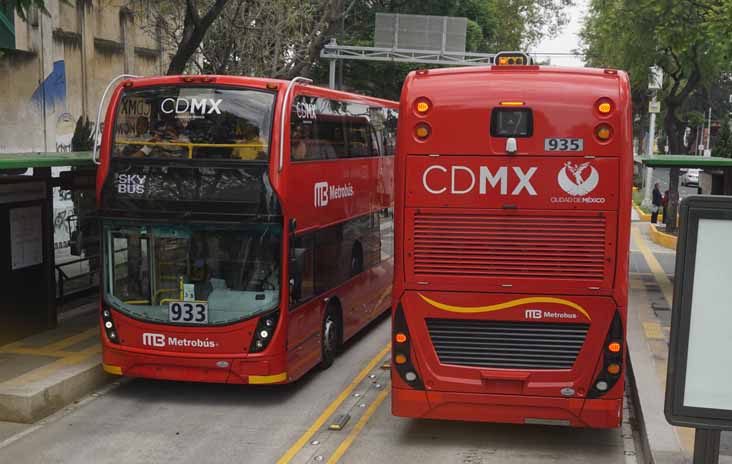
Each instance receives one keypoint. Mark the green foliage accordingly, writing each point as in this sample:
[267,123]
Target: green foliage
[723,147]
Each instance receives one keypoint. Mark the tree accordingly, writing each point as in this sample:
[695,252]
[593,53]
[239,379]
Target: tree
[182,24]
[723,147]
[688,39]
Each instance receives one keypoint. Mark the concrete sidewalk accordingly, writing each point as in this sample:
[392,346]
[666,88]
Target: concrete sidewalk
[649,317]
[43,373]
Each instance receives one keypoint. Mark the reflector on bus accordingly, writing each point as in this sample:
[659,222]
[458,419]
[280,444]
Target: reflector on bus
[512,59]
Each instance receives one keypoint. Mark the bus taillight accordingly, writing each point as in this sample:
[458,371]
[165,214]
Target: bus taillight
[612,360]
[401,351]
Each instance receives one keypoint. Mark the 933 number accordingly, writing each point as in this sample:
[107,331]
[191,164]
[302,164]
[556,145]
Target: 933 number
[188,312]
[561,144]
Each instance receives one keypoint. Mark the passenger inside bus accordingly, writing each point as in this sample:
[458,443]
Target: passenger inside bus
[254,145]
[166,135]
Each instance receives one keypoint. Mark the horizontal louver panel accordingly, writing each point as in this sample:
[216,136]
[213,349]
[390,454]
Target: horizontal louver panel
[507,344]
[484,245]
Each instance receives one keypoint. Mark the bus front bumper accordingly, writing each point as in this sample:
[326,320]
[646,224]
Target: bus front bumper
[212,369]
[574,412]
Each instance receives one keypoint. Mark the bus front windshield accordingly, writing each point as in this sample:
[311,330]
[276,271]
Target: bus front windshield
[234,271]
[185,122]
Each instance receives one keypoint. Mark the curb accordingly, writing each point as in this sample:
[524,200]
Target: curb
[662,238]
[29,403]
[643,216]
[644,450]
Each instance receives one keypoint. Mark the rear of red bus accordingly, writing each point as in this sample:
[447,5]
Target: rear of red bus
[512,231]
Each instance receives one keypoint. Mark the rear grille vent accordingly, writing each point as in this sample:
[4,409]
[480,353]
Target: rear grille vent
[483,245]
[507,344]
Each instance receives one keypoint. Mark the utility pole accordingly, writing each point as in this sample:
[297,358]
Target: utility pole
[707,151]
[655,83]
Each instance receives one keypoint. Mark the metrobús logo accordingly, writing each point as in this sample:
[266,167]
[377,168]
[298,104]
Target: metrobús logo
[161,341]
[539,314]
[578,180]
[324,193]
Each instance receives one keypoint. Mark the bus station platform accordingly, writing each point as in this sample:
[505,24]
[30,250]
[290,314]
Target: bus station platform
[44,372]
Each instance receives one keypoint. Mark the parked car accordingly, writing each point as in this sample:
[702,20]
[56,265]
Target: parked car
[690,177]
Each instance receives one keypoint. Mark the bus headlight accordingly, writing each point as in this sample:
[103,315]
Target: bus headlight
[108,325]
[263,334]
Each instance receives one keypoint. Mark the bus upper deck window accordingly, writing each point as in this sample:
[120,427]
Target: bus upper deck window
[512,122]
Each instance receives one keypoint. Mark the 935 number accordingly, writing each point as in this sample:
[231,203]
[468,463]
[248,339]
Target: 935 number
[562,144]
[181,311]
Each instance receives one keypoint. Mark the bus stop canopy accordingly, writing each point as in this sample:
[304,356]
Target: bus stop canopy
[44,160]
[685,161]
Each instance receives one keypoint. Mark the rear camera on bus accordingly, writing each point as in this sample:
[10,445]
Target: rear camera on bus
[512,122]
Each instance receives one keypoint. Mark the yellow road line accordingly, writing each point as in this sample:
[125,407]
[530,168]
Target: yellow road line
[667,287]
[341,450]
[332,407]
[686,435]
[43,372]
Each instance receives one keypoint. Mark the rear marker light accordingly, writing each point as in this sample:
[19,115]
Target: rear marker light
[187,79]
[422,106]
[613,369]
[400,359]
[512,103]
[614,347]
[612,360]
[272,86]
[422,131]
[604,108]
[603,132]
[400,338]
[403,364]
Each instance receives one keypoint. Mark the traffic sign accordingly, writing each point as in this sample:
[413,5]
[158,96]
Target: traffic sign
[654,106]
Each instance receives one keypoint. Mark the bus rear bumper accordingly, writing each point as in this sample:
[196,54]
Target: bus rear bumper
[211,369]
[574,412]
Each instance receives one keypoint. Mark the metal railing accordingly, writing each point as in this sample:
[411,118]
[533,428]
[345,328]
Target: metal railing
[86,280]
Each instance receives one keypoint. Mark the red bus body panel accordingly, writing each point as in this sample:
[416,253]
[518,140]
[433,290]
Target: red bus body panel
[295,346]
[492,246]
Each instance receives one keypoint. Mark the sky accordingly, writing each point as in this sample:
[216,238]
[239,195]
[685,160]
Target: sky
[566,41]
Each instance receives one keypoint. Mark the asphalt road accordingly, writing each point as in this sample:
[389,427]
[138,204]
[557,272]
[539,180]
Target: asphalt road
[146,421]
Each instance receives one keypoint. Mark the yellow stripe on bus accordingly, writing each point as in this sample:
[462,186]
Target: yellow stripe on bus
[505,305]
[261,379]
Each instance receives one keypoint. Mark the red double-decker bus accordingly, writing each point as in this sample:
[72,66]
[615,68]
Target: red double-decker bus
[246,224]
[512,230]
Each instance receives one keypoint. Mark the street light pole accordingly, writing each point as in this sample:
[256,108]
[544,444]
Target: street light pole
[649,152]
[655,83]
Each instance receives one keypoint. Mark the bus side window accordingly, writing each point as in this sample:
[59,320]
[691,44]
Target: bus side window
[302,286]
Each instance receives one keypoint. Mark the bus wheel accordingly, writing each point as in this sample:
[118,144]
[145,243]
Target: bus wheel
[329,338]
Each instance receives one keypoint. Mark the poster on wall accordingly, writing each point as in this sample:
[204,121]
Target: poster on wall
[26,237]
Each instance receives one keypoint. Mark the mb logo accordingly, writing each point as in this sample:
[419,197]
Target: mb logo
[321,194]
[533,314]
[151,339]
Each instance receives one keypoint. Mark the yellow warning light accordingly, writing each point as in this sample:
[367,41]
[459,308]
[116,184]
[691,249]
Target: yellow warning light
[512,59]
[512,103]
[423,107]
[613,369]
[400,359]
[604,107]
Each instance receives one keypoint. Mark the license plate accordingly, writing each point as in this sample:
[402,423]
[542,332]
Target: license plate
[560,144]
[189,312]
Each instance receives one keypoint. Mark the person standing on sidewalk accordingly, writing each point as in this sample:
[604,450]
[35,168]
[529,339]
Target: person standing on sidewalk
[656,203]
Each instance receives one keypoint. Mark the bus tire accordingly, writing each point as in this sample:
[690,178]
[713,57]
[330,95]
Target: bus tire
[330,337]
